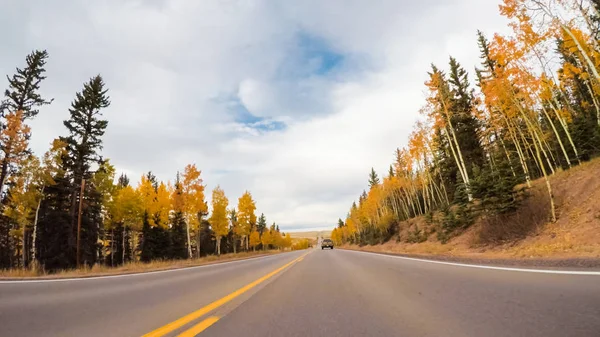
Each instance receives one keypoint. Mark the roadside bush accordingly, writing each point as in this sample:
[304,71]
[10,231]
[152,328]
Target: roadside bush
[497,228]
[453,222]
[416,235]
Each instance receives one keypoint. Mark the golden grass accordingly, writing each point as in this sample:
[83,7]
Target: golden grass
[131,267]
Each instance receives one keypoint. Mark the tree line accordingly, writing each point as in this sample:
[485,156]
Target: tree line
[67,208]
[534,110]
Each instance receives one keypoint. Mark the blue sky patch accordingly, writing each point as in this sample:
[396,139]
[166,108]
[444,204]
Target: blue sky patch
[318,53]
[243,116]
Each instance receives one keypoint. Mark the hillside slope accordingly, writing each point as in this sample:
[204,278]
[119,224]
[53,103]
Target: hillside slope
[527,233]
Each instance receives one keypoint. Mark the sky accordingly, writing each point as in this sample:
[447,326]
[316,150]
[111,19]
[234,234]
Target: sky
[293,101]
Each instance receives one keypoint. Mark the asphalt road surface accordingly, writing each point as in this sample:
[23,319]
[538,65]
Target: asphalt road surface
[309,293]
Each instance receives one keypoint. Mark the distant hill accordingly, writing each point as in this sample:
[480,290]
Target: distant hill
[310,234]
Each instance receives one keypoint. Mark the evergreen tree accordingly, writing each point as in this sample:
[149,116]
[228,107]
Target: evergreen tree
[340,223]
[177,231]
[177,236]
[495,188]
[83,143]
[373,178]
[23,92]
[54,250]
[123,180]
[261,225]
[465,123]
[22,95]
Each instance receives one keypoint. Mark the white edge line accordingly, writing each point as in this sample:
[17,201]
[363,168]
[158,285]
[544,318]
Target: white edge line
[136,274]
[539,271]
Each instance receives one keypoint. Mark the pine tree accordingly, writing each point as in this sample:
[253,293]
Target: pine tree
[467,126]
[233,222]
[22,101]
[261,225]
[123,180]
[177,230]
[496,188]
[373,178]
[340,223]
[23,92]
[58,222]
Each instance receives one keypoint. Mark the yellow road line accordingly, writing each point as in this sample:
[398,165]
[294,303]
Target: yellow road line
[198,328]
[214,305]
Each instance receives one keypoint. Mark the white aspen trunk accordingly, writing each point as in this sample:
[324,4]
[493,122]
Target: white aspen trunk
[459,164]
[24,251]
[548,185]
[595,101]
[565,127]
[507,157]
[520,153]
[34,262]
[560,143]
[586,57]
[123,248]
[533,130]
[189,240]
[219,245]
[112,247]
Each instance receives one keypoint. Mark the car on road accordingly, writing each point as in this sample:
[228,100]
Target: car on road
[327,243]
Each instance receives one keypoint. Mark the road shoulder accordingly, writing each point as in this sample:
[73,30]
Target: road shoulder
[587,264]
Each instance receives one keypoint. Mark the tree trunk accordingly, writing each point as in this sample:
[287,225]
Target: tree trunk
[560,143]
[566,129]
[24,247]
[595,101]
[458,159]
[548,185]
[123,243]
[198,242]
[234,244]
[586,57]
[189,240]
[34,262]
[219,245]
[4,172]
[112,247]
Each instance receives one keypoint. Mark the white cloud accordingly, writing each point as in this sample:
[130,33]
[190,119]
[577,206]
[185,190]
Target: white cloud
[173,67]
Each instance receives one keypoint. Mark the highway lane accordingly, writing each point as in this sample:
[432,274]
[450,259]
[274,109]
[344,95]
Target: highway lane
[344,293]
[324,293]
[131,305]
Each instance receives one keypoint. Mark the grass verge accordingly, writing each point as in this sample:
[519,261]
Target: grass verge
[129,268]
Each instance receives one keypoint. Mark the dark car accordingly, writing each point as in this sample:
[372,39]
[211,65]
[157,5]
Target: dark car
[327,243]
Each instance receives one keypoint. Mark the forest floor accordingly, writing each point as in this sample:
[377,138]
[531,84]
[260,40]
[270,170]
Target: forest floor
[131,267]
[527,234]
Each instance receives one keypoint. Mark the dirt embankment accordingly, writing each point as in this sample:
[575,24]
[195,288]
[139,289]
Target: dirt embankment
[526,234]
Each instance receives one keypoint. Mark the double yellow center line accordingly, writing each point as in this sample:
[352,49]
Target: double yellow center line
[212,306]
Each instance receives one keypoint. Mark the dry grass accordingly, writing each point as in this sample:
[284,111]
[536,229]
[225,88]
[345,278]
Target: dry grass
[130,268]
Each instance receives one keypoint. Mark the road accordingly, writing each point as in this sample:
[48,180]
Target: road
[309,293]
